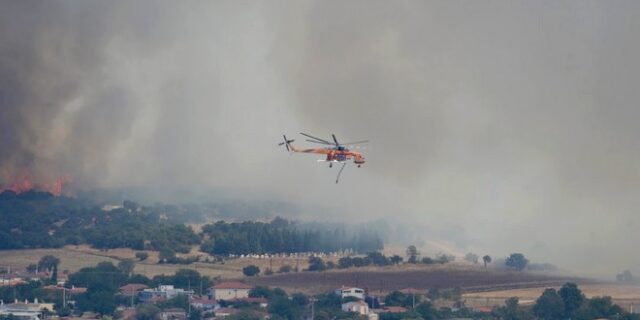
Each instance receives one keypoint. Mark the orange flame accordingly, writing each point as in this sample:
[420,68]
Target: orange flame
[24,183]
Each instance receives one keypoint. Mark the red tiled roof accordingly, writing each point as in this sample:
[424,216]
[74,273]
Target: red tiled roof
[359,302]
[133,287]
[232,285]
[395,309]
[226,311]
[410,291]
[77,290]
[483,309]
[72,290]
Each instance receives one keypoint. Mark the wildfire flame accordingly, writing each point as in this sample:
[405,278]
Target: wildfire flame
[24,183]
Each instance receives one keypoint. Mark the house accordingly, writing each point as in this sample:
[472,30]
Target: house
[162,292]
[229,291]
[225,312]
[132,289]
[359,307]
[173,314]
[72,290]
[203,303]
[350,292]
[10,279]
[27,310]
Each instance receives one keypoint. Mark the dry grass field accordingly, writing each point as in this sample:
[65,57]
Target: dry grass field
[385,279]
[623,295]
[484,287]
[75,257]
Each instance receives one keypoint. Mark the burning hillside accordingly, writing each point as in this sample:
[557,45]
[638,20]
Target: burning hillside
[25,182]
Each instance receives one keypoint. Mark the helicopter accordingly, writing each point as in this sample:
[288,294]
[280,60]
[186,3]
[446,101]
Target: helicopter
[335,151]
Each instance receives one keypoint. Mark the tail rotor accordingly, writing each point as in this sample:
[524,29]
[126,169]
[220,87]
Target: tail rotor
[286,142]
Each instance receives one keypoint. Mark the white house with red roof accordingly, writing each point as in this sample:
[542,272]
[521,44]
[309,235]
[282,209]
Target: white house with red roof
[230,290]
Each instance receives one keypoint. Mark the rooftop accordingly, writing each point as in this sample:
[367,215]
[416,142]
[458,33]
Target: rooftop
[232,285]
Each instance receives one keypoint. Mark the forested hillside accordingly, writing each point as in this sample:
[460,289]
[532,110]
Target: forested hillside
[40,220]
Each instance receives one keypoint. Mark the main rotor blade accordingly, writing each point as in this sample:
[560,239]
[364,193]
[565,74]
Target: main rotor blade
[357,142]
[320,142]
[312,137]
[334,139]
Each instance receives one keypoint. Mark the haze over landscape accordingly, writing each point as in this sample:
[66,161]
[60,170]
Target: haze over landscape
[494,127]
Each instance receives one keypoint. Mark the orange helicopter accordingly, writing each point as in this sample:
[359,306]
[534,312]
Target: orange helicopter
[335,151]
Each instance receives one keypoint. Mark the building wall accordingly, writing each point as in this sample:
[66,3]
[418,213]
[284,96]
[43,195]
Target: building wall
[229,294]
[355,307]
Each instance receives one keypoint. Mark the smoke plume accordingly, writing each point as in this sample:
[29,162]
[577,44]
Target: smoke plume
[495,126]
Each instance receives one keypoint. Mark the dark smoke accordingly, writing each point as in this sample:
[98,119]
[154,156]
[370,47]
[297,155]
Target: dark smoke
[503,126]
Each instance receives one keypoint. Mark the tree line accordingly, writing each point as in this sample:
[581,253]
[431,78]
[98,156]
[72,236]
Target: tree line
[282,236]
[39,220]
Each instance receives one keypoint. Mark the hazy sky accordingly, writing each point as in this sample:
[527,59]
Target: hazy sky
[495,126]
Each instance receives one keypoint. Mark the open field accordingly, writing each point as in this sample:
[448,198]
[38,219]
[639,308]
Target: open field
[72,258]
[399,277]
[623,295]
[482,287]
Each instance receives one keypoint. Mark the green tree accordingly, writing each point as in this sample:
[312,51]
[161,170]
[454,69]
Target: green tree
[378,258]
[48,262]
[549,306]
[572,298]
[126,266]
[166,254]
[54,274]
[412,254]
[284,308]
[486,259]
[345,262]
[32,267]
[300,299]
[251,270]
[97,300]
[195,314]
[141,255]
[511,311]
[147,311]
[601,307]
[316,264]
[427,311]
[395,298]
[395,259]
[516,261]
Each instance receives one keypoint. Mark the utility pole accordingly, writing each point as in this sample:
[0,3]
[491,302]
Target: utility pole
[313,314]
[189,297]
[414,300]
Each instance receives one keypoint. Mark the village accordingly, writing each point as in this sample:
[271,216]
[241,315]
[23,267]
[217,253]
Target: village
[113,292]
[224,299]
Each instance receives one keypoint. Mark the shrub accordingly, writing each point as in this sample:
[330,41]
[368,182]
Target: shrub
[251,270]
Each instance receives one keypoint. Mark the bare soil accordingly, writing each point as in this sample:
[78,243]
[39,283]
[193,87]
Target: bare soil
[386,279]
